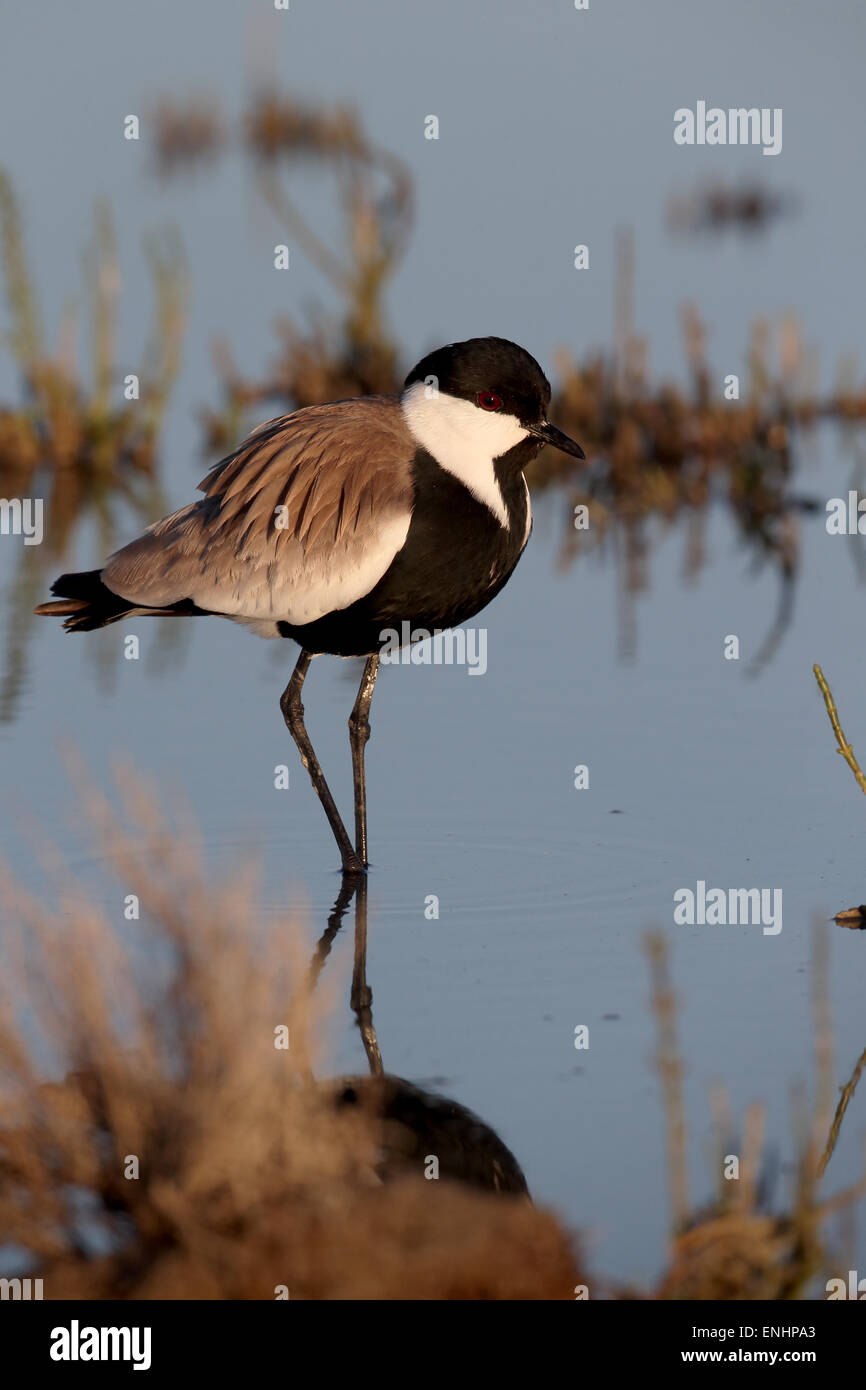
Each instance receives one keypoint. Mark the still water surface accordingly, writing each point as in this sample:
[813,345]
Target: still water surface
[698,770]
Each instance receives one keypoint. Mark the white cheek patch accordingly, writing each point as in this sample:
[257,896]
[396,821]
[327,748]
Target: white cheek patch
[464,440]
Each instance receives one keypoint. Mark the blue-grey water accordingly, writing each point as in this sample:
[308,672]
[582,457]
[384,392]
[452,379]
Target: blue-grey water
[555,129]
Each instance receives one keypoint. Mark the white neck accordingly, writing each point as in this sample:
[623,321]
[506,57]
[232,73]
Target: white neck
[464,440]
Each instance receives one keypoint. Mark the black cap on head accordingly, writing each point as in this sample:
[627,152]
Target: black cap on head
[491,365]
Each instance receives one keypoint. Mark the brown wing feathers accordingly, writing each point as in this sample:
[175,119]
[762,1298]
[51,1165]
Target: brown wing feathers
[305,506]
[331,467]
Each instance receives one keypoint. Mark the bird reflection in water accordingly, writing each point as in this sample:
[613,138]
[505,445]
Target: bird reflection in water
[416,1125]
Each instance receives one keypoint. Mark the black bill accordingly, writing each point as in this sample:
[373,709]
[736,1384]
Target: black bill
[556,439]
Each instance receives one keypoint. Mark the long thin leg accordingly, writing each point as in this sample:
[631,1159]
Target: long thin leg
[293,713]
[362,995]
[348,888]
[359,732]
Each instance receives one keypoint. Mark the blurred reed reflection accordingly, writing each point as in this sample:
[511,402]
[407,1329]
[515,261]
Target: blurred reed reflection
[659,453]
[85,446]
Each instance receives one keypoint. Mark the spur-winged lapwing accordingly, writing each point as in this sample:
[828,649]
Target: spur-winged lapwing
[338,524]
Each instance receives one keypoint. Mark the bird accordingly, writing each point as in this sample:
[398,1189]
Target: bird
[339,525]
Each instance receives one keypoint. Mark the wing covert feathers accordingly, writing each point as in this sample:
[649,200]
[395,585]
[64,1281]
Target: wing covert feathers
[303,518]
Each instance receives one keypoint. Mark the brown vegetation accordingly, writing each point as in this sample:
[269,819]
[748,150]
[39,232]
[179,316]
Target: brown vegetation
[65,422]
[159,1034]
[162,1032]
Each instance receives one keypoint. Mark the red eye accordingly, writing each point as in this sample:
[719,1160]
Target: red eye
[488,400]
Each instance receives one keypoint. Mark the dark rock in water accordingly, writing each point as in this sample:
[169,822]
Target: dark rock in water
[418,1125]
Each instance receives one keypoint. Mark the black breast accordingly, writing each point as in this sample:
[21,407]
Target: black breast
[455,559]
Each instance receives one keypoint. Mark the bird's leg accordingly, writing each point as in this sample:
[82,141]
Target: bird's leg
[293,713]
[359,732]
[348,888]
[362,995]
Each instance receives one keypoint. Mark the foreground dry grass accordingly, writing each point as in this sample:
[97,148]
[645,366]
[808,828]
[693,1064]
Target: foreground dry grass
[179,1153]
[248,1177]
